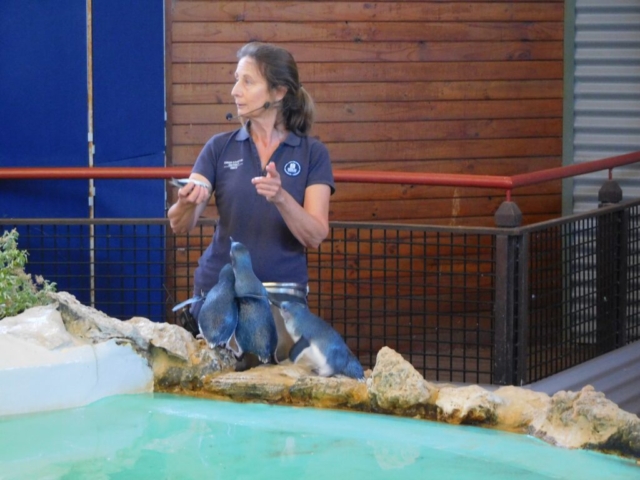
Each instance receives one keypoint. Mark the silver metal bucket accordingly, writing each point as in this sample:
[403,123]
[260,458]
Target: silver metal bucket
[278,293]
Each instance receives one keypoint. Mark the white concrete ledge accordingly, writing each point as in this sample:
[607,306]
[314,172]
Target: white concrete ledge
[42,367]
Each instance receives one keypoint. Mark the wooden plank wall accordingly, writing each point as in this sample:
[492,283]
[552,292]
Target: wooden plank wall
[466,86]
[470,87]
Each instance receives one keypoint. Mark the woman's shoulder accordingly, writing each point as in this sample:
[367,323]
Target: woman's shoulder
[318,148]
[224,137]
[218,142]
[312,144]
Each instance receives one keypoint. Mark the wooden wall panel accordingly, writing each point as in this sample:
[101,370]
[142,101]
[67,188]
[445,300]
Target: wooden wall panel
[382,11]
[422,86]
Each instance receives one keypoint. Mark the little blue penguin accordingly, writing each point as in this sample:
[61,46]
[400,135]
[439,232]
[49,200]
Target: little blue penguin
[318,343]
[247,283]
[256,331]
[218,316]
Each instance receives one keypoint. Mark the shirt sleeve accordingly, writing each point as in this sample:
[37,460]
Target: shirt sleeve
[320,171]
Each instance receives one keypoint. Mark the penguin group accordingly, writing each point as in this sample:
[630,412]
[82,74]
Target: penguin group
[236,314]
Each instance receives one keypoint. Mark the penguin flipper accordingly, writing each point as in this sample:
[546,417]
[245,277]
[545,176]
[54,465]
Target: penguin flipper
[218,330]
[189,301]
[300,346]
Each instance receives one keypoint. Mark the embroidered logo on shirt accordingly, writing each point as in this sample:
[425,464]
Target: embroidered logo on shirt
[292,168]
[233,164]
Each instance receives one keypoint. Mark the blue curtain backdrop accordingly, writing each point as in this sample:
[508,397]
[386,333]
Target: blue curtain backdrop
[43,105]
[128,101]
[44,123]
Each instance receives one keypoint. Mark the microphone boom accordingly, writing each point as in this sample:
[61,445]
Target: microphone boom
[229,116]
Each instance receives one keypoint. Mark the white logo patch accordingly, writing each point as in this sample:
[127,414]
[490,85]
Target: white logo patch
[292,168]
[233,164]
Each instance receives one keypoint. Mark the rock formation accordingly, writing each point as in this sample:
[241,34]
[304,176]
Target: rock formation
[182,364]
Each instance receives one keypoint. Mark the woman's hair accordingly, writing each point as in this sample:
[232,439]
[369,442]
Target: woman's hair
[280,70]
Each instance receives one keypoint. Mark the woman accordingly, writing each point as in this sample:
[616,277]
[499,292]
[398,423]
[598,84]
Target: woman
[271,181]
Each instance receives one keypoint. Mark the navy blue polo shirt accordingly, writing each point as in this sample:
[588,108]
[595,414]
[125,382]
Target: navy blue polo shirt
[229,161]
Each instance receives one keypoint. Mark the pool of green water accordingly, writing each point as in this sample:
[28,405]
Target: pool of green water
[171,437]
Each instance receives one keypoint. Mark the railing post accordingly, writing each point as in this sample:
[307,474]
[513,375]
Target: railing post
[621,316]
[611,271]
[610,193]
[506,368]
[521,312]
[508,215]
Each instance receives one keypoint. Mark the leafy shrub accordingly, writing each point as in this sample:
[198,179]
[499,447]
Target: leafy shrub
[18,291]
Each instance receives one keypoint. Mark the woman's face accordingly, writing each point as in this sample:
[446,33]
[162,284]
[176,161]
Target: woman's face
[250,91]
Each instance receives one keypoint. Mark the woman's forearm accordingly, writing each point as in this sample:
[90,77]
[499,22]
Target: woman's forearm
[309,224]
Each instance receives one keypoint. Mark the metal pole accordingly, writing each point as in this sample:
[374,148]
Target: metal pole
[609,233]
[91,152]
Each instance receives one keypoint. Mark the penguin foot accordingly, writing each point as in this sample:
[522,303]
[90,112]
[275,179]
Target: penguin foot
[247,361]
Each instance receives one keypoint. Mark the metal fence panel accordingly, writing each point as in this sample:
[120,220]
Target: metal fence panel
[479,305]
[427,294]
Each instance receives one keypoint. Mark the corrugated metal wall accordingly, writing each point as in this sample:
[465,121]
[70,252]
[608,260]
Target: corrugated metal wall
[607,93]
[606,123]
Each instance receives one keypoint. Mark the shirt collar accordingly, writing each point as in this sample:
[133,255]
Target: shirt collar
[243,134]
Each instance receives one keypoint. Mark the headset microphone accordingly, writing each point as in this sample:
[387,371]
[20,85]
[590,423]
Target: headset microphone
[229,116]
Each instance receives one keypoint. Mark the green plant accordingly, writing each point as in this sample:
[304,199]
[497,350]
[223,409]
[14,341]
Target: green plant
[18,291]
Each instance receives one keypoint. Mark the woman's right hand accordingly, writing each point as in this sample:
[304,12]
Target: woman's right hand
[192,200]
[193,194]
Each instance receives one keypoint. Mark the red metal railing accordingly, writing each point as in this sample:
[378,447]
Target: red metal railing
[507,183]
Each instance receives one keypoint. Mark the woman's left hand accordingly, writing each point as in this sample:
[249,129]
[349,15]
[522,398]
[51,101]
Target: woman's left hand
[269,186]
[309,222]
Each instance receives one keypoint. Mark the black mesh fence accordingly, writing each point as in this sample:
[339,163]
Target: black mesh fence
[630,328]
[425,292]
[478,305]
[583,289]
